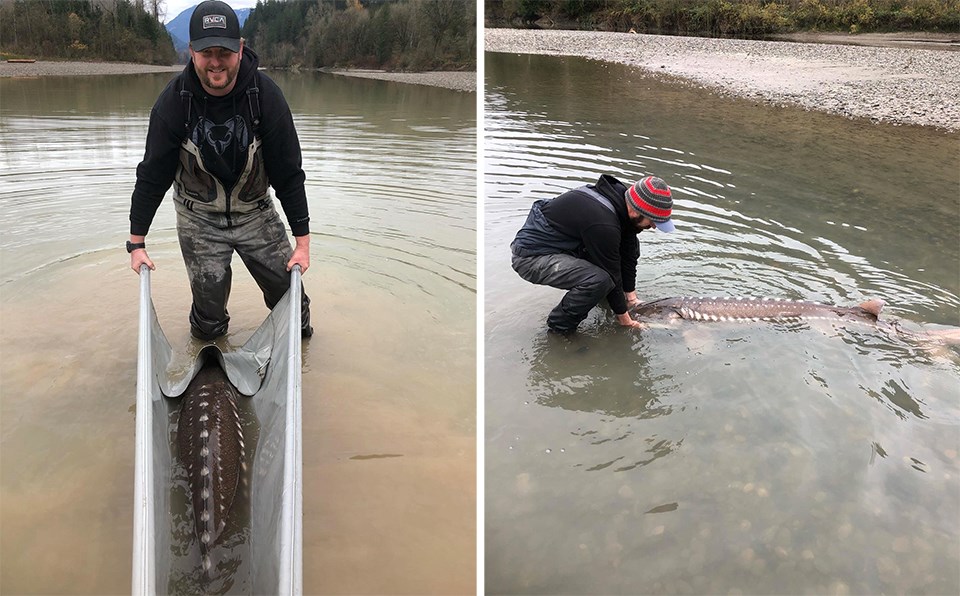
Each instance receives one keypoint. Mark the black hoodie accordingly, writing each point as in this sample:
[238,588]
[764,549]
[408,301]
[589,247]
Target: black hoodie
[220,161]
[575,223]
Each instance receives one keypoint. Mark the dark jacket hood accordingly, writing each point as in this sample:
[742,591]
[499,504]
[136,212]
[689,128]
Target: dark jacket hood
[248,68]
[614,190]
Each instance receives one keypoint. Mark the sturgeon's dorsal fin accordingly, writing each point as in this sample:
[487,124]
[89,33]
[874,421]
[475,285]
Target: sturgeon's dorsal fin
[873,306]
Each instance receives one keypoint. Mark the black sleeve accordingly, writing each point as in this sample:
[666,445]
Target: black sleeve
[155,173]
[602,242]
[629,256]
[282,157]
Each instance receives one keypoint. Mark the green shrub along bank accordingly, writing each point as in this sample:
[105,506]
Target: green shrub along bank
[107,30]
[393,35]
[387,34]
[747,18]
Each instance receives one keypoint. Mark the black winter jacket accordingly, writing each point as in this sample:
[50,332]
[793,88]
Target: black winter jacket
[214,154]
[578,224]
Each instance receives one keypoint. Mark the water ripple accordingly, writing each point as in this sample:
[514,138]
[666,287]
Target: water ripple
[401,196]
[722,245]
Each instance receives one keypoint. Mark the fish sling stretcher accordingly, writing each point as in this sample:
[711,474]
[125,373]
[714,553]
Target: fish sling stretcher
[267,370]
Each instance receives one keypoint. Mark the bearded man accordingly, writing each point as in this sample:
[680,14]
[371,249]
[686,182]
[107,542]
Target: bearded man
[585,241]
[222,134]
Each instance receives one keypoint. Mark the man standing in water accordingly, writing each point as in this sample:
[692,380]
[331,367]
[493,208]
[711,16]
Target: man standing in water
[221,133]
[585,241]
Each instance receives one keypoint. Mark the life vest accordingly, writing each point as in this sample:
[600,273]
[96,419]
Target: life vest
[537,237]
[195,187]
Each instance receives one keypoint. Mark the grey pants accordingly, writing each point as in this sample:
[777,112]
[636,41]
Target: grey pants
[207,245]
[587,285]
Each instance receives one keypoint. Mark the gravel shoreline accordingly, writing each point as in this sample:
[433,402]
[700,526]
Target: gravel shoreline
[456,80]
[884,84]
[49,68]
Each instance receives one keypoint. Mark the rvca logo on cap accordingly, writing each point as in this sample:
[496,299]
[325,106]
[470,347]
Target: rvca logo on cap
[214,21]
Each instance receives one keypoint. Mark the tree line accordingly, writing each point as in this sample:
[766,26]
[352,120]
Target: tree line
[728,17]
[109,30]
[387,34]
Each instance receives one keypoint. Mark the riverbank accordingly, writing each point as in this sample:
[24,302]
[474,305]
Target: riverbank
[50,68]
[458,81]
[896,85]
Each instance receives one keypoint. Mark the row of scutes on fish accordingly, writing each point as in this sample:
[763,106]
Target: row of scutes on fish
[719,309]
[205,474]
[211,446]
[687,313]
[692,313]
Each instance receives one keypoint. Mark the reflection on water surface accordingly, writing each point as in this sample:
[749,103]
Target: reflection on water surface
[391,175]
[716,458]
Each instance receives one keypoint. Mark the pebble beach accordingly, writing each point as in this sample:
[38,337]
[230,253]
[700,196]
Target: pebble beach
[872,78]
[896,85]
[456,80]
[51,68]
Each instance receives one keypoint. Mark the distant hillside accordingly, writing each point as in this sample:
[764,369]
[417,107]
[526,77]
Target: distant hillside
[179,27]
[388,34]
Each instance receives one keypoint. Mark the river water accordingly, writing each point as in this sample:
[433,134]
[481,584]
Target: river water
[722,458]
[389,410]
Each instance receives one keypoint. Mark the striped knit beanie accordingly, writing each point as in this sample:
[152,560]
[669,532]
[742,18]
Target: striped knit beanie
[651,197]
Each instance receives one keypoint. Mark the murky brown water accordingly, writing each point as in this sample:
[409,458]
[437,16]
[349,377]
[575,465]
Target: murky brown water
[390,370]
[721,459]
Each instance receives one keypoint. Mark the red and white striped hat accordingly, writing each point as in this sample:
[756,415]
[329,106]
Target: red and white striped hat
[651,196]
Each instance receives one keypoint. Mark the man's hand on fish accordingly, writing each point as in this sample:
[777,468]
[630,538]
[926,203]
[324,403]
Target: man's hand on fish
[627,321]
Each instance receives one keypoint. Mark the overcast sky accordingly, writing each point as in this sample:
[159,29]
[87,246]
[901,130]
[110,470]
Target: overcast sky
[175,7]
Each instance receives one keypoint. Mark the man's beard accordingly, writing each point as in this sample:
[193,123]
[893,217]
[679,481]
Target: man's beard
[636,225]
[231,76]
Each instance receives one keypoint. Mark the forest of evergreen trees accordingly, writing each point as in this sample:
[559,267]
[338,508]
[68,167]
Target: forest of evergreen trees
[389,34]
[394,35]
[728,17]
[110,30]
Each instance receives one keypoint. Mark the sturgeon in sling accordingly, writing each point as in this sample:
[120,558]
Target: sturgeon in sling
[210,446]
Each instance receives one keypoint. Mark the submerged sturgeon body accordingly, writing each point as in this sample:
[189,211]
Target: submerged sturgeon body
[754,309]
[210,446]
[777,309]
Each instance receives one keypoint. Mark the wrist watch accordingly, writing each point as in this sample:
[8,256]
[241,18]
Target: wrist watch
[132,247]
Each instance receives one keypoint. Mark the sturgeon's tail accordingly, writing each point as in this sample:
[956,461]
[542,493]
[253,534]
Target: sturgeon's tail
[950,337]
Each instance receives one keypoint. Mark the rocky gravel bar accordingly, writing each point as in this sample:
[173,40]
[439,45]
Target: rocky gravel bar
[51,68]
[894,85]
[456,80]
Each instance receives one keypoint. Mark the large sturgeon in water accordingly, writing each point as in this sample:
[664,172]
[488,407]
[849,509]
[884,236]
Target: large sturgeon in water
[210,446]
[754,309]
[778,309]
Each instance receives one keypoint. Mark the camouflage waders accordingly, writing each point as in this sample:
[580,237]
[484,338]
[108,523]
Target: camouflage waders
[207,244]
[586,283]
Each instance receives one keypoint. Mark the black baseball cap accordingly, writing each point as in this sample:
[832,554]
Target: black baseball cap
[214,24]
